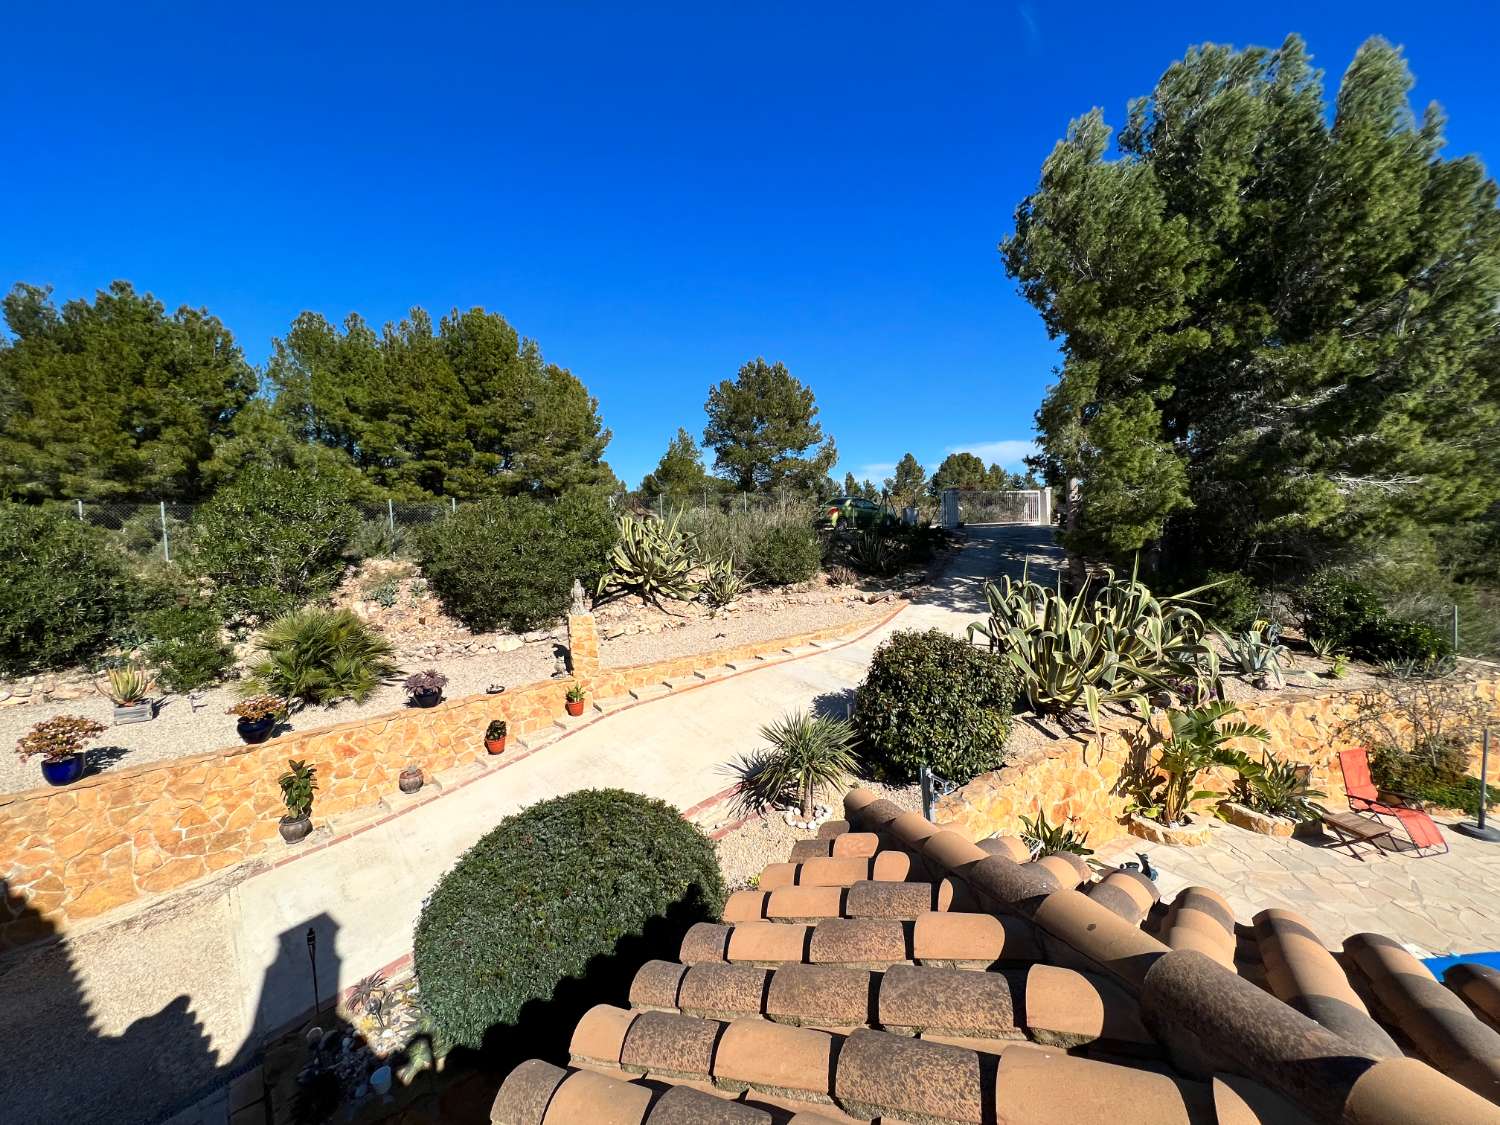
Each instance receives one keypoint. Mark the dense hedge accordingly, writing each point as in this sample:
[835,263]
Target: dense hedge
[511,561]
[1344,611]
[273,540]
[62,590]
[932,699]
[583,886]
[784,554]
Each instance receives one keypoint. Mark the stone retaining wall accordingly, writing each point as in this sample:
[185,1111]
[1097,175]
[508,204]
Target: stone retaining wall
[71,854]
[1077,779]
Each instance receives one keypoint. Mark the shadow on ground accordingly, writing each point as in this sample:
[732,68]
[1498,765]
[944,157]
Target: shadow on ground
[1002,549]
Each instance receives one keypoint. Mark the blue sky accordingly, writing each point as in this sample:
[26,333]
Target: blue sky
[656,193]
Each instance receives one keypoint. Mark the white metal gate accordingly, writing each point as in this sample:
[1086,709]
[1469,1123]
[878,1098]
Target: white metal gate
[1030,505]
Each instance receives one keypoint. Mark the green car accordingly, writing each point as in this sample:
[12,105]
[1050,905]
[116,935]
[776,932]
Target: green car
[853,511]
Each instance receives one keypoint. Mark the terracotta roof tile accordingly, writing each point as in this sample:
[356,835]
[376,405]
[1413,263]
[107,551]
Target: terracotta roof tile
[767,943]
[1012,848]
[1083,934]
[1479,987]
[896,1077]
[668,1043]
[775,1058]
[896,900]
[656,984]
[1069,871]
[973,940]
[951,1001]
[747,906]
[821,995]
[586,1096]
[723,991]
[525,1093]
[1066,1008]
[1044,1087]
[681,1105]
[832,828]
[797,903]
[870,942]
[950,851]
[1239,1101]
[704,941]
[600,1034]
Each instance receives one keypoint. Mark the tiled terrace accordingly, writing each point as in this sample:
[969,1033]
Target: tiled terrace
[1438,904]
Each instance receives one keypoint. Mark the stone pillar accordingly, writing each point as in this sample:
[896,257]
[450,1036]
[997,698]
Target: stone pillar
[583,647]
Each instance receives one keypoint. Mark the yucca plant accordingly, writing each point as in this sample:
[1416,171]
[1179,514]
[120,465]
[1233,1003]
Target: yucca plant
[320,655]
[1087,651]
[873,553]
[1046,839]
[722,583]
[653,558]
[1199,741]
[1257,653]
[808,754]
[1278,788]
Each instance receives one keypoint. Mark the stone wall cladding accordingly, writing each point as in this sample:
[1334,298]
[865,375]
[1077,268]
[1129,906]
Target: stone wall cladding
[72,854]
[1076,779]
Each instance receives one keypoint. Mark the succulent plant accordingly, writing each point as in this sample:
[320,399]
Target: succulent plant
[258,708]
[126,684]
[653,558]
[722,583]
[61,736]
[1257,653]
[421,683]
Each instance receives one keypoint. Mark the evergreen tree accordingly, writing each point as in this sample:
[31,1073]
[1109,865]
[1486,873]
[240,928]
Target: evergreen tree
[958,470]
[906,487]
[1276,317]
[868,491]
[851,486]
[113,400]
[679,477]
[467,411]
[763,429]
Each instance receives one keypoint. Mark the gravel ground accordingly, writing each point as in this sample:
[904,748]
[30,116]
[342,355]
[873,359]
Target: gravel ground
[744,853]
[183,727]
[708,634]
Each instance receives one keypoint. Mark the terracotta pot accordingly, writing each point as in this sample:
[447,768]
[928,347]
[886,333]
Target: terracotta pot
[410,780]
[574,706]
[294,829]
[495,745]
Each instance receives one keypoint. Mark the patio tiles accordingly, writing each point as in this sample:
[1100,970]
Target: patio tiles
[1435,904]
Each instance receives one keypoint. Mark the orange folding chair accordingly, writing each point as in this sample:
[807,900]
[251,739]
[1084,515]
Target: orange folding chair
[1367,798]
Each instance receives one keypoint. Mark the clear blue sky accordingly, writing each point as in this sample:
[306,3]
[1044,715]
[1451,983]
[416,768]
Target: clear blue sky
[655,193]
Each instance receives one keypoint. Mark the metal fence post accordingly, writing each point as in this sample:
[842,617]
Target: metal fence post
[166,543]
[390,514]
[1455,628]
[925,775]
[452,505]
[80,511]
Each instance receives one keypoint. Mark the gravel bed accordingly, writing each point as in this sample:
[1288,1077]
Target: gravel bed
[744,852]
[184,727]
[709,634]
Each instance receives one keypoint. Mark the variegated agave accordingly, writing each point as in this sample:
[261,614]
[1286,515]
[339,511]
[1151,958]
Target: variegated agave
[1113,646]
[652,558]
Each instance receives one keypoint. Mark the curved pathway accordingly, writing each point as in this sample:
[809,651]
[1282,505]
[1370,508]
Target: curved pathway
[160,1005]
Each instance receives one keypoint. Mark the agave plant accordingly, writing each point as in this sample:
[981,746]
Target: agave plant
[873,553]
[319,655]
[1257,653]
[1046,839]
[126,684]
[1199,741]
[807,754]
[1086,651]
[653,558]
[722,583]
[1278,788]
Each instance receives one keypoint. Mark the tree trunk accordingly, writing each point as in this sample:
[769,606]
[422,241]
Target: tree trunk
[807,802]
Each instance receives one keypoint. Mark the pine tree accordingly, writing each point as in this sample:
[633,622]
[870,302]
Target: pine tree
[679,477]
[958,470]
[763,429]
[907,486]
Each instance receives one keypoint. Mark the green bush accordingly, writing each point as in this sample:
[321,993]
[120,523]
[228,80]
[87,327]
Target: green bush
[931,699]
[784,554]
[511,561]
[1336,608]
[62,590]
[1233,603]
[1438,775]
[320,655]
[1402,640]
[272,540]
[554,900]
[186,646]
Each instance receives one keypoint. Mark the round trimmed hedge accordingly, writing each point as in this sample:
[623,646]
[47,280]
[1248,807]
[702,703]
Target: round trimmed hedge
[580,889]
[931,699]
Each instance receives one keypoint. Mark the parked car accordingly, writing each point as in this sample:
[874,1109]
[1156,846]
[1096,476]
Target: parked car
[852,511]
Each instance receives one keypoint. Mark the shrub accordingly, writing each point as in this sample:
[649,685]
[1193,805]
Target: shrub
[572,890]
[931,699]
[1199,741]
[807,754]
[1335,608]
[376,539]
[272,540]
[1439,775]
[184,642]
[784,554]
[730,535]
[511,561]
[1403,640]
[1232,602]
[873,552]
[61,590]
[320,655]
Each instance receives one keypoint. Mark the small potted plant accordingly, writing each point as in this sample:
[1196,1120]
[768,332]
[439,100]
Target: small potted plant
[426,688]
[128,687]
[59,742]
[410,779]
[297,787]
[494,736]
[257,716]
[576,696]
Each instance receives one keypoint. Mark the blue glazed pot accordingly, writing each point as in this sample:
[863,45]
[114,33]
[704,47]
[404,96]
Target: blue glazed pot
[427,698]
[62,771]
[257,731]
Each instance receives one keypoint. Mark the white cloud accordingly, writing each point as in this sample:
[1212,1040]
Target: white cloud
[1007,454]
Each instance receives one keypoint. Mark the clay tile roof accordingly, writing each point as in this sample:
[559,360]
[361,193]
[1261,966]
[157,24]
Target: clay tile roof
[894,971]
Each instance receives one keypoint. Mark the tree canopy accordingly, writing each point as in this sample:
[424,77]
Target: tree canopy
[909,482]
[763,429]
[114,399]
[470,410]
[958,470]
[1275,316]
[679,476]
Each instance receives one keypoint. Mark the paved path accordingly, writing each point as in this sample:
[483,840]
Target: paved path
[150,1010]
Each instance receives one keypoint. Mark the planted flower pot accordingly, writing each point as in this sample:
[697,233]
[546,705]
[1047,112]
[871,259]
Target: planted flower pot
[427,698]
[142,712]
[62,771]
[495,745]
[410,780]
[256,730]
[494,736]
[425,689]
[295,828]
[574,706]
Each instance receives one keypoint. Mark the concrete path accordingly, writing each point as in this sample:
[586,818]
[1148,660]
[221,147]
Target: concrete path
[137,1017]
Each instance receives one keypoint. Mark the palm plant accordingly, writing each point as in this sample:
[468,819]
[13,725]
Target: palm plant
[319,655]
[1087,651]
[807,754]
[1257,653]
[1200,741]
[652,557]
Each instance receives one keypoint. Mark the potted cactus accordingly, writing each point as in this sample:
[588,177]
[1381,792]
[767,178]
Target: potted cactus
[128,687]
[60,742]
[576,696]
[297,787]
[426,688]
[257,716]
[494,736]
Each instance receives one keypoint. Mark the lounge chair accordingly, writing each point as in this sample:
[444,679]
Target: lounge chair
[1368,800]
